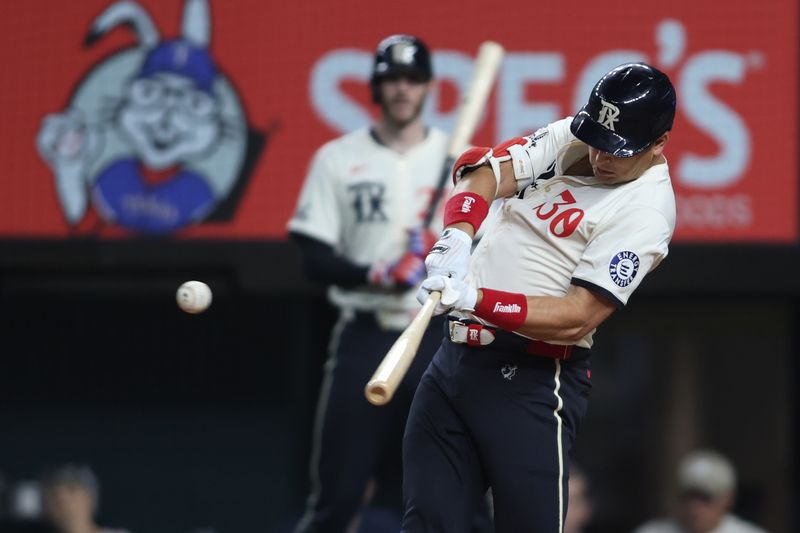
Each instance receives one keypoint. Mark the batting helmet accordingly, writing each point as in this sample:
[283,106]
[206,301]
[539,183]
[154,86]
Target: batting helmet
[400,54]
[629,108]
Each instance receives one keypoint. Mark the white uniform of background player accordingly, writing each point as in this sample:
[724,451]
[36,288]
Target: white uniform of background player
[358,225]
[362,198]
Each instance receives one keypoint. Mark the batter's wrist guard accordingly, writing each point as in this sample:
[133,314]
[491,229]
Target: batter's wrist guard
[506,310]
[466,207]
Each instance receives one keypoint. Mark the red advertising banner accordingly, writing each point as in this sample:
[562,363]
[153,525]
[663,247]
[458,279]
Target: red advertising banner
[246,91]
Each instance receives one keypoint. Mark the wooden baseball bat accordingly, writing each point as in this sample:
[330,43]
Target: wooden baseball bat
[487,64]
[390,372]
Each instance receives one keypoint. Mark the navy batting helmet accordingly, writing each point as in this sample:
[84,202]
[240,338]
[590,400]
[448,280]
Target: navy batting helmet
[397,55]
[629,108]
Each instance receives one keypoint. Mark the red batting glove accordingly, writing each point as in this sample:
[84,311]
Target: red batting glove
[420,241]
[379,274]
[409,270]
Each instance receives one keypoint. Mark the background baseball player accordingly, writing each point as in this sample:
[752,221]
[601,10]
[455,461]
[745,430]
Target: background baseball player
[589,212]
[357,223]
[706,491]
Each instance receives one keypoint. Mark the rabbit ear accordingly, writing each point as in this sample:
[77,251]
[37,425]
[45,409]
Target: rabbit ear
[124,12]
[196,24]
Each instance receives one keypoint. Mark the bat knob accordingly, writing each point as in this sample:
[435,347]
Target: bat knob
[377,394]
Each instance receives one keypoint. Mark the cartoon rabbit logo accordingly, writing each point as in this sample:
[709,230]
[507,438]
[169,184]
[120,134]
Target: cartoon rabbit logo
[154,138]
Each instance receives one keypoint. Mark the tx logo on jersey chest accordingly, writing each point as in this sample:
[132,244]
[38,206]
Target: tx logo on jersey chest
[368,199]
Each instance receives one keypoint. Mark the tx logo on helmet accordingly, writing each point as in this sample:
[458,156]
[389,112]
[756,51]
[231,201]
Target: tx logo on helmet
[403,53]
[608,115]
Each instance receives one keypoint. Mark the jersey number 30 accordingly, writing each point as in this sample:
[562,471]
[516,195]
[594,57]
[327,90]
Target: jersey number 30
[566,221]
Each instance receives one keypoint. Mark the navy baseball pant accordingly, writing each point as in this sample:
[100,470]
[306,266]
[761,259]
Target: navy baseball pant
[351,436]
[487,418]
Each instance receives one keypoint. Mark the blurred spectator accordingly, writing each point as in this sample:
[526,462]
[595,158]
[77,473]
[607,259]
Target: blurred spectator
[71,496]
[706,491]
[25,500]
[579,506]
[3,496]
[20,507]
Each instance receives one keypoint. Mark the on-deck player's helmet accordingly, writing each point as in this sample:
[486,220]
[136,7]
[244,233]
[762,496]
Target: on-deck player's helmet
[400,54]
[629,108]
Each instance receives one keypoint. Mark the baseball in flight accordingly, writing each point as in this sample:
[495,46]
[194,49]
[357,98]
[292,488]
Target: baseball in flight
[193,296]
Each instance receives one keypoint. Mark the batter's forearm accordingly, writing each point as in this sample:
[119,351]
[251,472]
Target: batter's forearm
[482,181]
[545,318]
[549,318]
[471,198]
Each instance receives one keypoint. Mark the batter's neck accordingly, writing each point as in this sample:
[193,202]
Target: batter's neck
[581,167]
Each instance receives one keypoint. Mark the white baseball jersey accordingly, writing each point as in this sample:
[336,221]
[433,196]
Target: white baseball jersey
[361,198]
[565,230]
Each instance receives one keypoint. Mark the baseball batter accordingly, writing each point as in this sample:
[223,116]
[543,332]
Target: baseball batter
[357,223]
[589,211]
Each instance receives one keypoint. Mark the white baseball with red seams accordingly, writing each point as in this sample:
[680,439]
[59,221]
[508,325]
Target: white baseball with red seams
[194,296]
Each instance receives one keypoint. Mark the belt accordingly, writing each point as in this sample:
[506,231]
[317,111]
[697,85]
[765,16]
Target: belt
[477,335]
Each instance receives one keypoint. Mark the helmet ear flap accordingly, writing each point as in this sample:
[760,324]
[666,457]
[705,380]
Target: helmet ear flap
[375,90]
